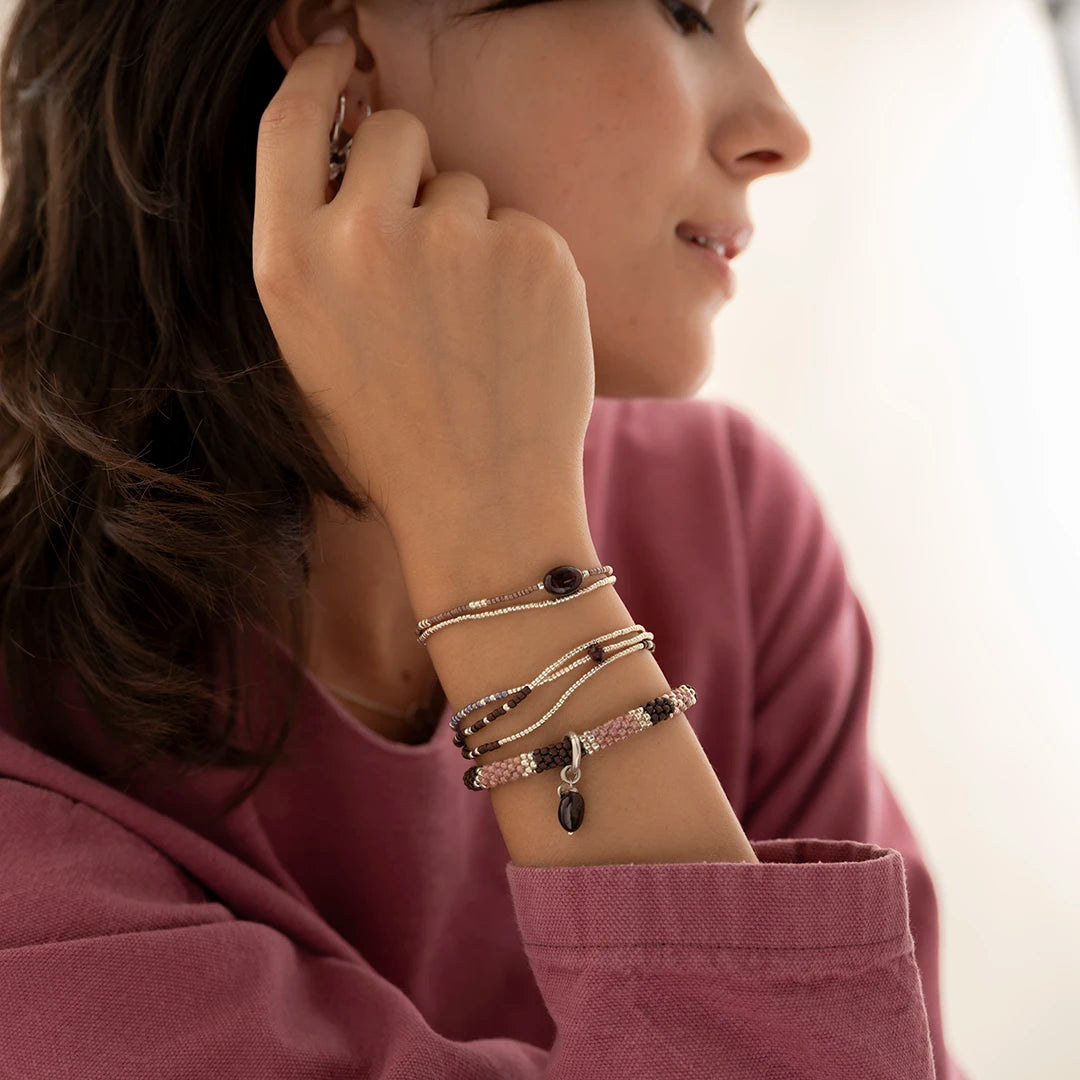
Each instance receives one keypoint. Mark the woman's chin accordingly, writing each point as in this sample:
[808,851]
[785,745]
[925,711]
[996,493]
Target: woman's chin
[679,375]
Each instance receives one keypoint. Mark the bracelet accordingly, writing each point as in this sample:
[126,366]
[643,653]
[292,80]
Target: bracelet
[645,643]
[563,582]
[568,752]
[595,652]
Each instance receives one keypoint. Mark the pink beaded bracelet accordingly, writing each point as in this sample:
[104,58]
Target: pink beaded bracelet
[567,753]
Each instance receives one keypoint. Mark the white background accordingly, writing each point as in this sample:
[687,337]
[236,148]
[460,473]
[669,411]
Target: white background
[926,264]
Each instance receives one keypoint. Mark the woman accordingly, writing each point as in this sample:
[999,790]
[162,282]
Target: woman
[280,418]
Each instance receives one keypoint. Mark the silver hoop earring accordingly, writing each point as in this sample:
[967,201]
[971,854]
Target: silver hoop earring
[339,150]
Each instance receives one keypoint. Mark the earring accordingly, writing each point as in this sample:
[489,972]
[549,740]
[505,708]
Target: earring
[339,154]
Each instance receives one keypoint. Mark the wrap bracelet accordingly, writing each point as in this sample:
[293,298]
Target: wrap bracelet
[636,644]
[564,583]
[595,652]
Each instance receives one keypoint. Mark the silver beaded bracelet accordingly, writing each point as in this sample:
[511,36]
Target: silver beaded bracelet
[563,582]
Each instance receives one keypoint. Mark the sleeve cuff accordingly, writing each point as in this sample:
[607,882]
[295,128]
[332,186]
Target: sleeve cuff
[803,894]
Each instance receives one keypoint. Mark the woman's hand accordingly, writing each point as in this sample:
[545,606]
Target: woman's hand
[443,346]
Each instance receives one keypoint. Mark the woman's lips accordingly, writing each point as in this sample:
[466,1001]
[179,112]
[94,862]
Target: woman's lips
[719,264]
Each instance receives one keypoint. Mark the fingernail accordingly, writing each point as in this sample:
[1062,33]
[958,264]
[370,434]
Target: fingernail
[333,35]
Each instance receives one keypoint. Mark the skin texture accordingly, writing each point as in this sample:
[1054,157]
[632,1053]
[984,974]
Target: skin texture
[611,123]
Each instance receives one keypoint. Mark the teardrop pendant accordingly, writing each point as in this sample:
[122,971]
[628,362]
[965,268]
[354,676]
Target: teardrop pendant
[571,812]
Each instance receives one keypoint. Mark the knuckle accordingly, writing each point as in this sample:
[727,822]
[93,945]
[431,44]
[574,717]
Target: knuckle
[537,239]
[473,180]
[555,241]
[451,222]
[464,179]
[269,283]
[355,231]
[275,272]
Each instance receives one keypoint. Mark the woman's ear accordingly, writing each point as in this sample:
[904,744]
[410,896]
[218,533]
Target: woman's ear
[298,22]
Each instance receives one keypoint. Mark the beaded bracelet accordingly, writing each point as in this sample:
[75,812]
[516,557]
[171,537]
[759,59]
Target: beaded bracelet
[563,582]
[641,641]
[595,652]
[597,657]
[568,752]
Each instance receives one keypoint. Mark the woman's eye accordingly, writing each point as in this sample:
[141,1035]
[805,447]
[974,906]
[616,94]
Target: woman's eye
[689,18]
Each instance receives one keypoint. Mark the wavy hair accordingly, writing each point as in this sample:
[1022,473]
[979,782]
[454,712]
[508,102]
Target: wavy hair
[157,475]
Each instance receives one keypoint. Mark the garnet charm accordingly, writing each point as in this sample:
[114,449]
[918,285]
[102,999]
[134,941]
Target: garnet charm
[571,803]
[563,580]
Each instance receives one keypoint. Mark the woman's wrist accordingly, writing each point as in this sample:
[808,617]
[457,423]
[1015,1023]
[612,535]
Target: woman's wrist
[465,556]
[687,818]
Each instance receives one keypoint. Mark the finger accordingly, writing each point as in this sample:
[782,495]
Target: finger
[389,160]
[456,188]
[292,157]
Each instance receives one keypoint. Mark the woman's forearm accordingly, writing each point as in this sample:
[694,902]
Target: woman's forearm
[653,797]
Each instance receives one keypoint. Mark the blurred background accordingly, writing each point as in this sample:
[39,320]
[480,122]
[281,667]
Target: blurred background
[926,259]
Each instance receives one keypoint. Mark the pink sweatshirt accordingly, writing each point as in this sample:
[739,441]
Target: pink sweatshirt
[357,917]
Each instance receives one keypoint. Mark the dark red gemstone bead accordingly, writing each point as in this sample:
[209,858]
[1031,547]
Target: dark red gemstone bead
[563,580]
[596,652]
[571,811]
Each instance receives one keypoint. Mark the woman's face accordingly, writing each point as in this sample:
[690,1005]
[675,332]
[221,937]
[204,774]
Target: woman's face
[611,120]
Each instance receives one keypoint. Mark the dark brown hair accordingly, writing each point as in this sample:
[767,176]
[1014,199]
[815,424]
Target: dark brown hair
[157,475]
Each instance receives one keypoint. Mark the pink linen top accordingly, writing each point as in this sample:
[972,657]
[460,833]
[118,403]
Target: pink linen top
[358,917]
